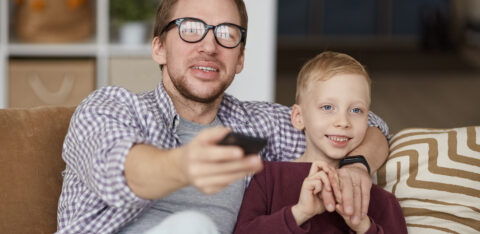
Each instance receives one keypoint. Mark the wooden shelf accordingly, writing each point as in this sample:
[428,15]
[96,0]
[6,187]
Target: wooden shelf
[99,47]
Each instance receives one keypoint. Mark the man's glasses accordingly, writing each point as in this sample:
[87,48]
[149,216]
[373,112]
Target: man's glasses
[193,30]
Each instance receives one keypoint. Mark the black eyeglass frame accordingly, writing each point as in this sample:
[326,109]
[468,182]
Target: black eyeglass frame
[179,21]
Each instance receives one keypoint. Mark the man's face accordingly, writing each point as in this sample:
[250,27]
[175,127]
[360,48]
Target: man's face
[335,115]
[200,71]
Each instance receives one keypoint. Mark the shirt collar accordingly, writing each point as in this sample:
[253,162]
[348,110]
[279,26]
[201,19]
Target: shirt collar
[166,107]
[232,111]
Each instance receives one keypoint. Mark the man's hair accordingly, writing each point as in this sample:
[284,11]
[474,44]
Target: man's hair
[165,8]
[326,65]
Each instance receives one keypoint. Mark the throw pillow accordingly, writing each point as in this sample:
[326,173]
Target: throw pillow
[435,174]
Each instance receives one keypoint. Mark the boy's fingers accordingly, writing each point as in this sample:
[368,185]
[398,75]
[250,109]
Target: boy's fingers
[335,183]
[328,200]
[313,169]
[326,182]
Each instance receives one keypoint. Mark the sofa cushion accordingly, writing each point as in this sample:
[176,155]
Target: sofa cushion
[30,167]
[435,174]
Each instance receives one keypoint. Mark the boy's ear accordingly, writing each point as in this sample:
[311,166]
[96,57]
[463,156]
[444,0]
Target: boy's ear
[158,51]
[297,118]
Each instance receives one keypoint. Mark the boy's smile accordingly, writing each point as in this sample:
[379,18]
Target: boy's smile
[338,140]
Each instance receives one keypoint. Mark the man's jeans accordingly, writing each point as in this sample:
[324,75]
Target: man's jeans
[185,222]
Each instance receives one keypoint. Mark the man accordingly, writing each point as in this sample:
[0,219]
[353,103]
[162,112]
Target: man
[130,161]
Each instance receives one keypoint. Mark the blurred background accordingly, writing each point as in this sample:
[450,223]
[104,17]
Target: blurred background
[423,55]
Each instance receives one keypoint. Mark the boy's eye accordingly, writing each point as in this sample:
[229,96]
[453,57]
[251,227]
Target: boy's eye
[327,107]
[356,110]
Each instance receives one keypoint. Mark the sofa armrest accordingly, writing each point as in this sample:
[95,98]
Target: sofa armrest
[30,167]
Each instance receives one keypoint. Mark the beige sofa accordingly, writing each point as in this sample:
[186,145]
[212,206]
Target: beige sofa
[30,167]
[435,173]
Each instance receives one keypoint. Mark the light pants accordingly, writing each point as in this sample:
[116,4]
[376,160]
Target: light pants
[185,222]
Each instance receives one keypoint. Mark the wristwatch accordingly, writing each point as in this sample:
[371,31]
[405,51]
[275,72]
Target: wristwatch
[354,159]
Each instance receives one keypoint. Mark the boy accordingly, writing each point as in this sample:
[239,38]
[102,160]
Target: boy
[332,105]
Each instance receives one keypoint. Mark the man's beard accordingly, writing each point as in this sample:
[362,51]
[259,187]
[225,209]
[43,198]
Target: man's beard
[185,92]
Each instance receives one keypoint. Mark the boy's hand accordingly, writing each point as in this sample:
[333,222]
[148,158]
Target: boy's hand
[314,187]
[362,226]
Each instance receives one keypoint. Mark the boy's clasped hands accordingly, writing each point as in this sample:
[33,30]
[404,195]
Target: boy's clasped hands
[320,192]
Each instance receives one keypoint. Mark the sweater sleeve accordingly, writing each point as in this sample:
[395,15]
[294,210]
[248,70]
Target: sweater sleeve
[255,217]
[387,215]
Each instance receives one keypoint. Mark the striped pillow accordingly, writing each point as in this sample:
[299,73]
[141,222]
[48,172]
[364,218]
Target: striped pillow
[435,174]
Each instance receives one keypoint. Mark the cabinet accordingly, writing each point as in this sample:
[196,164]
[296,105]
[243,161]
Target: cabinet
[101,48]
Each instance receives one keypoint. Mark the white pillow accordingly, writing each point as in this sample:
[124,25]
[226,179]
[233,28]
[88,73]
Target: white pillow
[435,175]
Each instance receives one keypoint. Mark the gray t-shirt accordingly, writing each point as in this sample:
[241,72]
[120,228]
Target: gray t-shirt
[222,207]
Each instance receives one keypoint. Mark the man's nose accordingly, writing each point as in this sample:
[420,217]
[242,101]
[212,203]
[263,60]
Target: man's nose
[209,43]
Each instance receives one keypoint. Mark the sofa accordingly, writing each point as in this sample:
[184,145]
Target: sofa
[30,167]
[435,173]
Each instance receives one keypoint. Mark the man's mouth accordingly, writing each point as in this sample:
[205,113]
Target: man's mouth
[205,69]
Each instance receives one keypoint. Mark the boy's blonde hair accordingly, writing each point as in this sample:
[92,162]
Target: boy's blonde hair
[326,65]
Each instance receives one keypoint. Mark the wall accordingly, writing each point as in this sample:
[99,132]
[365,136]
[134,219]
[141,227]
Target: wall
[257,80]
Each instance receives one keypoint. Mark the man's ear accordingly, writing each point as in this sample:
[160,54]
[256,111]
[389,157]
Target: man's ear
[158,51]
[297,118]
[239,66]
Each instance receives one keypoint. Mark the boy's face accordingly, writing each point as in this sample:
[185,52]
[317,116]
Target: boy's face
[199,71]
[334,115]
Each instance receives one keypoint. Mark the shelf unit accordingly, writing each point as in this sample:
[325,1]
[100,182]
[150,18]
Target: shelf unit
[259,66]
[99,47]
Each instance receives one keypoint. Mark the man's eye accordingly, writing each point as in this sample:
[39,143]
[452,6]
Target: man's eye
[356,110]
[327,107]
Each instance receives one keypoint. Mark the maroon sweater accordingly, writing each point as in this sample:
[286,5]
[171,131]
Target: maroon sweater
[267,203]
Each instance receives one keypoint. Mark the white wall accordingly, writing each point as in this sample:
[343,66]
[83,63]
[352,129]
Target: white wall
[3,53]
[257,80]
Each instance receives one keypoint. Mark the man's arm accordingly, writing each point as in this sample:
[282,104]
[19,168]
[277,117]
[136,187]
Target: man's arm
[152,173]
[374,148]
[355,180]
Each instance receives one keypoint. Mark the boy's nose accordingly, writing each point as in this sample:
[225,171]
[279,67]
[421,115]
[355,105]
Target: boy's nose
[342,121]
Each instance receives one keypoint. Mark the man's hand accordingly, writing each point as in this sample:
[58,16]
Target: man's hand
[210,167]
[315,186]
[153,173]
[355,185]
[361,227]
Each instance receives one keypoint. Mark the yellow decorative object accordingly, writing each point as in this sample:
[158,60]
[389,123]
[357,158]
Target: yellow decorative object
[38,5]
[74,4]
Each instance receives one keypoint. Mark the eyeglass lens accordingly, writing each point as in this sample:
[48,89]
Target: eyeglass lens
[193,30]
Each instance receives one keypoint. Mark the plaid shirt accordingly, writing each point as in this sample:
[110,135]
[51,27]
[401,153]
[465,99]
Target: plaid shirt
[95,197]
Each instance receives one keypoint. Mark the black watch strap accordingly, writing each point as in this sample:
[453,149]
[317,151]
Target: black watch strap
[354,159]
